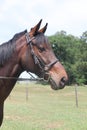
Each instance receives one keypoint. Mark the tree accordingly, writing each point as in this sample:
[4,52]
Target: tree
[84,37]
[72,52]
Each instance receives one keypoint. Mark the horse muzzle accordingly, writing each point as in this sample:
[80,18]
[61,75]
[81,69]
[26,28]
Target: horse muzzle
[58,85]
[55,84]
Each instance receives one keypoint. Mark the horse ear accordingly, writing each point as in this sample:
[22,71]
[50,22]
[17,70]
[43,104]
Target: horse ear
[43,29]
[35,29]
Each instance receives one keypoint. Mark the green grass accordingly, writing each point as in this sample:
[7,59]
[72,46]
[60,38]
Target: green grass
[45,109]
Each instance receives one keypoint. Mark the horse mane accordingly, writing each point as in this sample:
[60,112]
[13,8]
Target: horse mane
[8,48]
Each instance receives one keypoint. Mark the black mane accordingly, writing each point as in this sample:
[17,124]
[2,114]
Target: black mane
[8,48]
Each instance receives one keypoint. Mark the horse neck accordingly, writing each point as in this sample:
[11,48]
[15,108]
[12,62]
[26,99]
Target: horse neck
[12,67]
[17,69]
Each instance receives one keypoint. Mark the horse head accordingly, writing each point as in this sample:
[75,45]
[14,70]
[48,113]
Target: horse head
[41,60]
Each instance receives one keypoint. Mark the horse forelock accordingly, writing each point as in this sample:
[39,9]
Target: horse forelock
[40,39]
[8,48]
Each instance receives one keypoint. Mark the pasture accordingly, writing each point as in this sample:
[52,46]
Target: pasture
[45,109]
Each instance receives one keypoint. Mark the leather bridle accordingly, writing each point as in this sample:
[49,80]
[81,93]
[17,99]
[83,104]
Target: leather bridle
[44,67]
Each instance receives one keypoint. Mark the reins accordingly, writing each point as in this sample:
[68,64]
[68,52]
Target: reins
[23,79]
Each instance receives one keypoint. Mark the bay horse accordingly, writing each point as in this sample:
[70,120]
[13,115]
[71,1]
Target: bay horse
[31,52]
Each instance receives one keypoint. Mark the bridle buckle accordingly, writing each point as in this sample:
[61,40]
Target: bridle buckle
[46,77]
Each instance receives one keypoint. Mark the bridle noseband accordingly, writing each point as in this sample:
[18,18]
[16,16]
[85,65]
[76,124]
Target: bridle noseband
[44,67]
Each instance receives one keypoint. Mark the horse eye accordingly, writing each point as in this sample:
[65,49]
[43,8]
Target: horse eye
[41,49]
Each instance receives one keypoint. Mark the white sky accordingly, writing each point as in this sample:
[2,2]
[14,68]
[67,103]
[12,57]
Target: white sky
[18,15]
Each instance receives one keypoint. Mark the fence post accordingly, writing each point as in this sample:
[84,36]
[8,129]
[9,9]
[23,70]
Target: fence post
[76,94]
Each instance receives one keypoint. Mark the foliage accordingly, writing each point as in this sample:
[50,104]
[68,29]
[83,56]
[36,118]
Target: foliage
[72,52]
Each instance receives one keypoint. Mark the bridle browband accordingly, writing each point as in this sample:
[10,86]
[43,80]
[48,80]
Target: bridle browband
[44,67]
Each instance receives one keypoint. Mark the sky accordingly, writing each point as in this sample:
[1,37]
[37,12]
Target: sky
[18,15]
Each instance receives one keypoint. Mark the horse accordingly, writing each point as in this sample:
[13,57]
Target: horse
[31,52]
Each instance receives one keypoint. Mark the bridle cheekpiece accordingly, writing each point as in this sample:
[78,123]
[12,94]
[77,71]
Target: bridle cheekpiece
[44,67]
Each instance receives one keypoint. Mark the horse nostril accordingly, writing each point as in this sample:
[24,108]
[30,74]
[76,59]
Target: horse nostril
[63,82]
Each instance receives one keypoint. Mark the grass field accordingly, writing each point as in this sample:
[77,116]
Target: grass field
[45,109]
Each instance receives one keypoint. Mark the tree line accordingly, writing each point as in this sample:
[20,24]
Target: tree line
[72,52]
